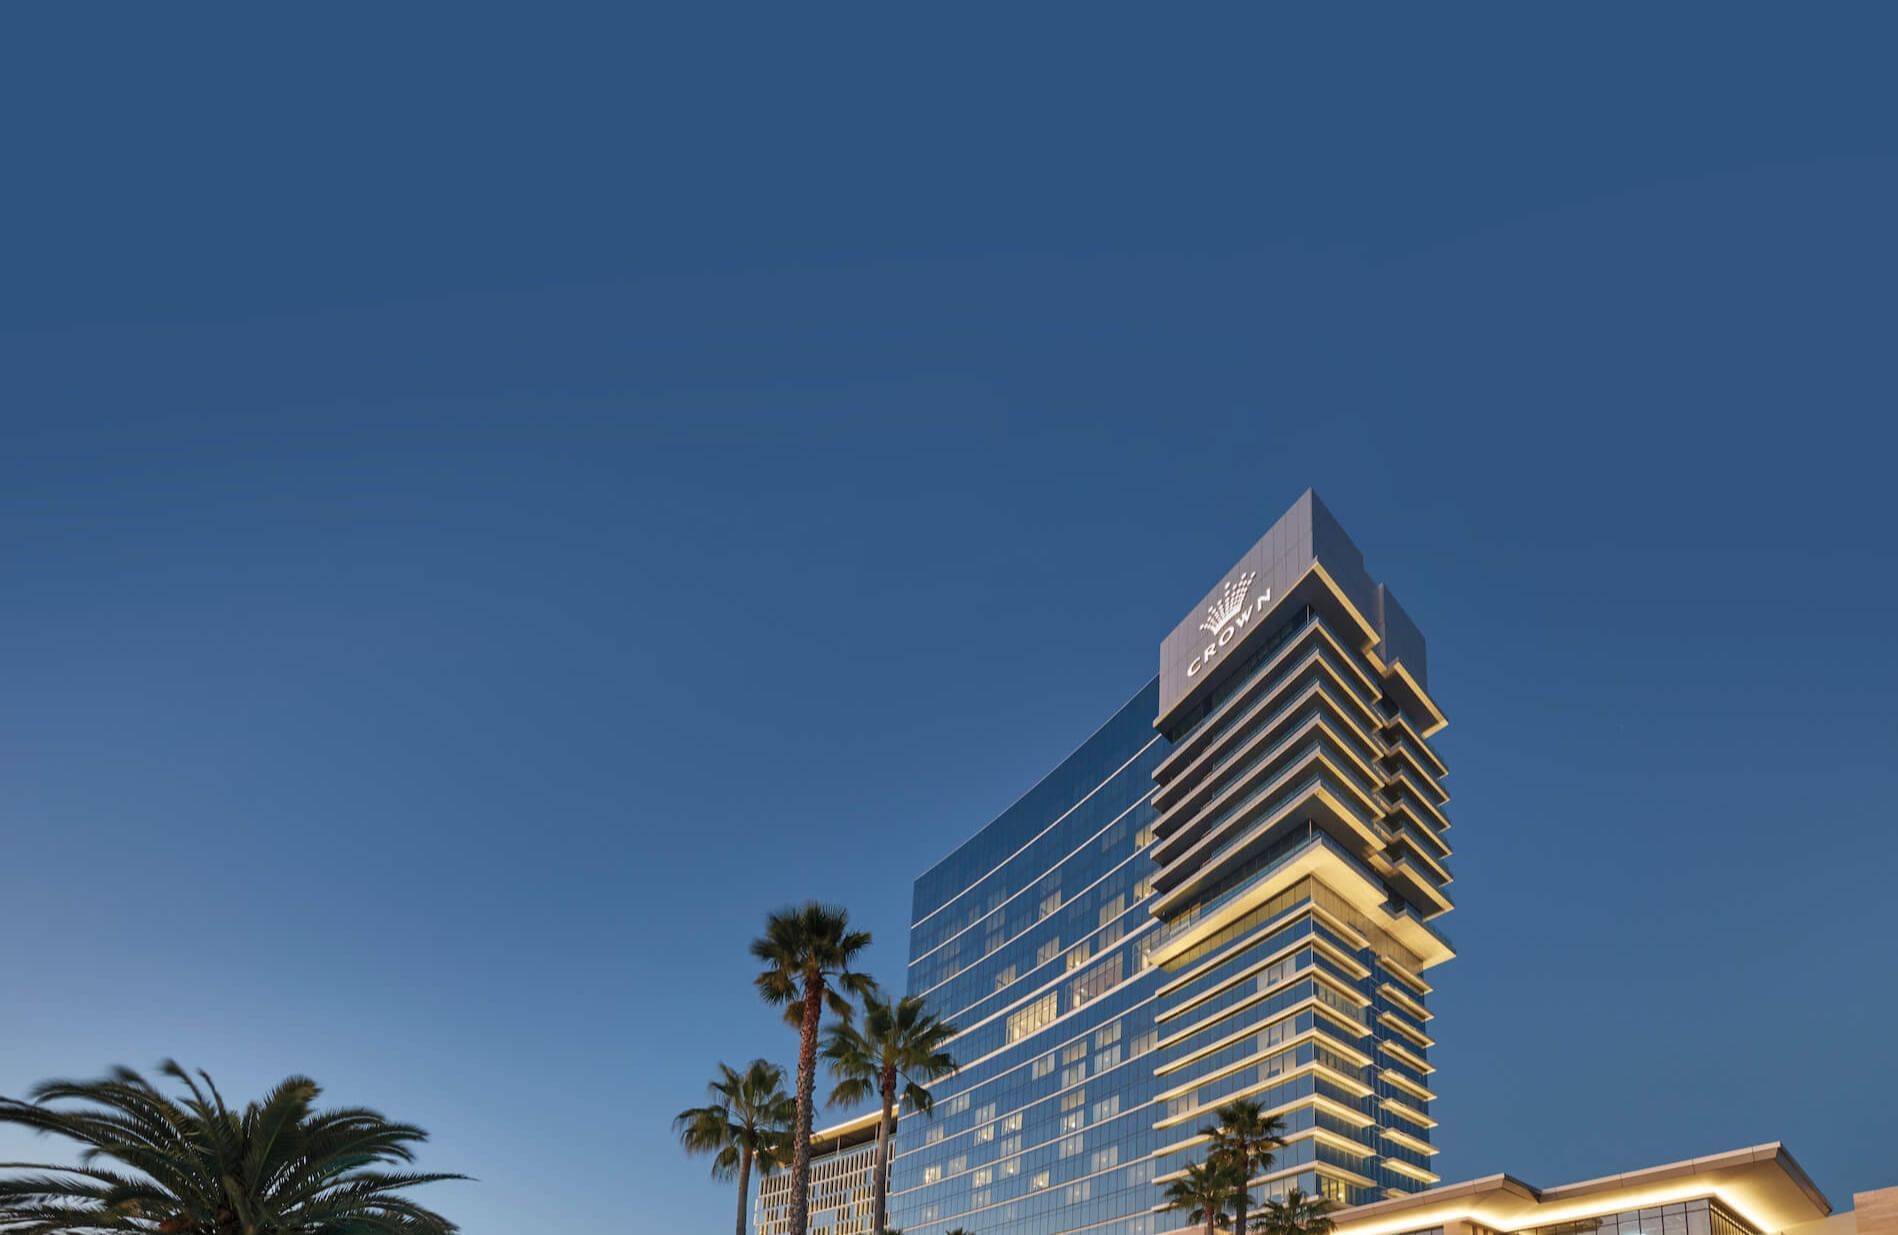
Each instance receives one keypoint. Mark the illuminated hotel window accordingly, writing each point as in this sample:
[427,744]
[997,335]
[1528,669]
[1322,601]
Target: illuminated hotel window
[1096,982]
[1700,1217]
[1028,1020]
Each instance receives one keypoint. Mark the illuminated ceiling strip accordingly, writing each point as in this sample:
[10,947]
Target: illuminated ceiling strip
[1415,1172]
[1416,1144]
[1438,719]
[1406,1111]
[1397,720]
[1404,1055]
[1404,1083]
[1410,1031]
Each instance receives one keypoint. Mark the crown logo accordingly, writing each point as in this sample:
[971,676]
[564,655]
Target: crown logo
[1229,604]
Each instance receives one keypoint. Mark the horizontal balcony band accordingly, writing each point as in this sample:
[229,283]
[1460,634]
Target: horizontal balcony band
[1271,926]
[1399,751]
[1311,1036]
[1342,874]
[1319,1103]
[1335,985]
[1404,1027]
[1412,790]
[1404,975]
[1314,589]
[1415,1172]
[1422,886]
[1184,796]
[1392,1076]
[1403,1110]
[1406,1001]
[1314,1069]
[1404,1055]
[1409,694]
[1335,1019]
[1330,951]
[1416,1144]
[1255,787]
[1402,808]
[1397,722]
[1218,728]
[1310,791]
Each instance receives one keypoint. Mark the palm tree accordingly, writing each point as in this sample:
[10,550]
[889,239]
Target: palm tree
[1297,1214]
[194,1166]
[1207,1189]
[807,954]
[899,1041]
[748,1121]
[1245,1136]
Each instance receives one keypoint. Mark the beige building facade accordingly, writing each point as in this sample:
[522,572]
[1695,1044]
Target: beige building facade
[843,1165]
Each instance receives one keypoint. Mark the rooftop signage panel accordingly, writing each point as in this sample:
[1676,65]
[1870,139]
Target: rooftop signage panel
[1209,638]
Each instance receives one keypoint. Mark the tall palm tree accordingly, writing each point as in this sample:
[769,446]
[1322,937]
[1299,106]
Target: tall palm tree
[748,1121]
[1207,1189]
[1297,1214]
[807,954]
[193,1166]
[1245,1136]
[899,1041]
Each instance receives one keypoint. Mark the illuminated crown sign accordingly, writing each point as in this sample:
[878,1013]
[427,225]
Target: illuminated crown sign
[1229,604]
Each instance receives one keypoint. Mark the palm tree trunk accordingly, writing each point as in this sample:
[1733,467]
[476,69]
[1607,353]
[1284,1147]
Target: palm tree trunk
[744,1184]
[806,1083]
[886,1128]
[1212,1219]
[1239,1203]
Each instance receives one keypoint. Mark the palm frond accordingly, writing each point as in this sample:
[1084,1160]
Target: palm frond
[194,1165]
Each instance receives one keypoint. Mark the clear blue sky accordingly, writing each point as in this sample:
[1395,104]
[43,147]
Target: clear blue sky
[491,504]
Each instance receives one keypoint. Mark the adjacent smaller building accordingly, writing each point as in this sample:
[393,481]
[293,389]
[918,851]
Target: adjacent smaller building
[843,1163]
[1757,1191]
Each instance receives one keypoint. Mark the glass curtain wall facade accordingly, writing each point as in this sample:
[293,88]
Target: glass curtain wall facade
[1031,937]
[1225,892]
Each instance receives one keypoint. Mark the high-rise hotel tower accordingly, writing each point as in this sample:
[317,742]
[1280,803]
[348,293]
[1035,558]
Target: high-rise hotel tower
[1227,891]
